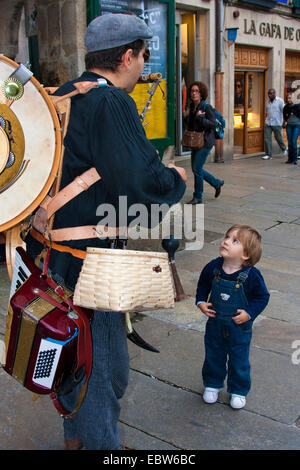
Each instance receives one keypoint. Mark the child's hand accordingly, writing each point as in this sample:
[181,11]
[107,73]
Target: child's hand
[204,307]
[241,318]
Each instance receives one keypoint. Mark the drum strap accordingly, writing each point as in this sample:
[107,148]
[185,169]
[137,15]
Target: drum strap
[51,205]
[42,220]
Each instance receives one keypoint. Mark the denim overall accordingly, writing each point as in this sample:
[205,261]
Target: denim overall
[224,339]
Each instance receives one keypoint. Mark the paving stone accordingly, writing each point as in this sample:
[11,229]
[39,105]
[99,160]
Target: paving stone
[182,355]
[27,425]
[182,419]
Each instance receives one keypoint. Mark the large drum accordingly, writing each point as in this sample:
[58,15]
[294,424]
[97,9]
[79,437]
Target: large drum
[30,145]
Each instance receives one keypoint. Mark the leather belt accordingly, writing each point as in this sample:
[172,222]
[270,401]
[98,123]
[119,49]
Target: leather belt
[55,246]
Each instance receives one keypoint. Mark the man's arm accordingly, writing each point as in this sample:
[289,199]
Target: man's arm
[126,159]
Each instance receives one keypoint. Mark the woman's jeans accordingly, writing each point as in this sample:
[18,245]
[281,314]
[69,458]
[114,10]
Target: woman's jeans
[292,133]
[198,160]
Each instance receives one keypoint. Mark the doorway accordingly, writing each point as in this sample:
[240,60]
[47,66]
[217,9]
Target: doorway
[186,26]
[249,104]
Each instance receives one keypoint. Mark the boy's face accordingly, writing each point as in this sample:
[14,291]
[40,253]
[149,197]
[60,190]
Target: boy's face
[231,248]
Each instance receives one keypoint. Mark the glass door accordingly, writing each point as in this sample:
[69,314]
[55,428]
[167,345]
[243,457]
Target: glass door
[249,105]
[185,69]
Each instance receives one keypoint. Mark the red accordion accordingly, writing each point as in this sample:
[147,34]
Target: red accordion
[47,339]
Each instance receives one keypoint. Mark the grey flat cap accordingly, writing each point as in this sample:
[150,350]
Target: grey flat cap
[113,30]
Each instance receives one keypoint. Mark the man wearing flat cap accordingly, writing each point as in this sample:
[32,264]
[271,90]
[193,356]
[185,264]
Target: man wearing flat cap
[105,132]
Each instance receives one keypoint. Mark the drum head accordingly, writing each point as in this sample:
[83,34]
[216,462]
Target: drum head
[30,149]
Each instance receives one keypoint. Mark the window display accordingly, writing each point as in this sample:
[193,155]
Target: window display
[248,111]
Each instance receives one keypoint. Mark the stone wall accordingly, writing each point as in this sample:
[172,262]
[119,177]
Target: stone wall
[9,27]
[61,27]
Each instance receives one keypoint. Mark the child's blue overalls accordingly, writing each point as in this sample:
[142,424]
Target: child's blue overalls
[224,339]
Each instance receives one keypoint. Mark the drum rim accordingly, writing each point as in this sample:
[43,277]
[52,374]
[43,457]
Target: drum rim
[56,159]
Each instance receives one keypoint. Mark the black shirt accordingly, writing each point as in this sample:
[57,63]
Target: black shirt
[105,132]
[205,122]
[291,110]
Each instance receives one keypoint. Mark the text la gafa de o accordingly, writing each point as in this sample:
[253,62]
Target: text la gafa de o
[271,30]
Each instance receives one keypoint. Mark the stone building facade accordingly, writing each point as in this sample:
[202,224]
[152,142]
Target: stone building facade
[55,26]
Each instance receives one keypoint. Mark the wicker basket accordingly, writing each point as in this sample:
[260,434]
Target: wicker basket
[124,280]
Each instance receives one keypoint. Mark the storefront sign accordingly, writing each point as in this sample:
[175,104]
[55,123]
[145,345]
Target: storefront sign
[271,30]
[154,13]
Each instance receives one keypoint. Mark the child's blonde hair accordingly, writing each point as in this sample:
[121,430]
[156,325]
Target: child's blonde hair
[250,238]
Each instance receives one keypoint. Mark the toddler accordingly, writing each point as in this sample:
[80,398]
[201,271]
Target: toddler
[238,294]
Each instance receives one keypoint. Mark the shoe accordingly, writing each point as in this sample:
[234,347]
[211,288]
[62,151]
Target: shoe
[237,401]
[266,157]
[73,444]
[284,153]
[288,161]
[195,201]
[295,163]
[210,395]
[218,189]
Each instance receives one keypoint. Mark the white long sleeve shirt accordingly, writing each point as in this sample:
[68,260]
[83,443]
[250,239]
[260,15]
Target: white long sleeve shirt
[274,112]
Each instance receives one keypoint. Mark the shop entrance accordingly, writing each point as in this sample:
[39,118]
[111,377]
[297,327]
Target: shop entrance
[249,107]
[186,27]
[249,100]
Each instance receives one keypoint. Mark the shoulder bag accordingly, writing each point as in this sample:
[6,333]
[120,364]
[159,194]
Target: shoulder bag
[193,139]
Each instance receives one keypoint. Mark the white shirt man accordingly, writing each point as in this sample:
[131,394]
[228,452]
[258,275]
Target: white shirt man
[274,109]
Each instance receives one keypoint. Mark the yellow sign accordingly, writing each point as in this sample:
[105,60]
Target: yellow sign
[155,122]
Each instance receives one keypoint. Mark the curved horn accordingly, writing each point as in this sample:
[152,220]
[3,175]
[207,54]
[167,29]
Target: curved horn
[133,336]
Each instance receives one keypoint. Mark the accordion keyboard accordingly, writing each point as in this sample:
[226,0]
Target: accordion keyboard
[21,272]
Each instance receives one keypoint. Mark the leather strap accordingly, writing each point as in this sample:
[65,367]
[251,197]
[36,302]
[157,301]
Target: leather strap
[51,205]
[62,248]
[50,299]
[79,184]
[84,347]
[85,232]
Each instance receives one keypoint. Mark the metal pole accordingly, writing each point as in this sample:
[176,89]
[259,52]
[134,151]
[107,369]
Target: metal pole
[219,73]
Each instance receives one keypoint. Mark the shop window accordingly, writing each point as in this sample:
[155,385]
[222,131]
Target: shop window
[292,75]
[248,112]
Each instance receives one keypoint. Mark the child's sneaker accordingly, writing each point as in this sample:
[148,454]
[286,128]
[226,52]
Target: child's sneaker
[210,395]
[237,401]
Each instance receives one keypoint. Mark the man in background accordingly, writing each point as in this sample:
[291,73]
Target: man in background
[274,121]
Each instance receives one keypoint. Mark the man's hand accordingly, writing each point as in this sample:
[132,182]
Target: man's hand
[205,308]
[242,317]
[180,170]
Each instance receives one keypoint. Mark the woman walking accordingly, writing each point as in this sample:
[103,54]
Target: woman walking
[291,115]
[200,117]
